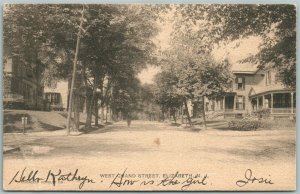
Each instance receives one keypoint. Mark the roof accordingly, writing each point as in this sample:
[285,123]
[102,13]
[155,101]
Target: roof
[244,72]
[245,68]
[258,90]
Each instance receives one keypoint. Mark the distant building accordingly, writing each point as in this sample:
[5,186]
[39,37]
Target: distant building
[22,84]
[57,96]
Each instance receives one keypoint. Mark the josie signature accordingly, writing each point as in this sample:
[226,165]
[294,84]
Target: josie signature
[249,178]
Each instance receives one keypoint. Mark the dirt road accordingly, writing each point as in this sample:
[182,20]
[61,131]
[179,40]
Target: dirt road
[149,147]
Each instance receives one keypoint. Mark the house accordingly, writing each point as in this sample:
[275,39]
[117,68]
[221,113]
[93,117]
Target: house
[57,95]
[22,85]
[253,92]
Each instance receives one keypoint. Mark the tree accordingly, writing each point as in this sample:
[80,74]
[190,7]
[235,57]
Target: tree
[193,80]
[196,73]
[115,39]
[221,24]
[125,96]
[116,46]
[148,108]
[74,75]
[42,34]
[165,92]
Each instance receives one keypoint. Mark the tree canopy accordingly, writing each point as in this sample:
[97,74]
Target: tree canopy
[209,25]
[116,43]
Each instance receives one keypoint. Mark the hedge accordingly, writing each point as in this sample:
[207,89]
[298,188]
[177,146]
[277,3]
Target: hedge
[244,124]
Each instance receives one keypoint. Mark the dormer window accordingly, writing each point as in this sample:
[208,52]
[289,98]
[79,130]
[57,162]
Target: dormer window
[240,83]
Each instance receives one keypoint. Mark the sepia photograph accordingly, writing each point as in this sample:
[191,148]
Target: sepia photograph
[149,97]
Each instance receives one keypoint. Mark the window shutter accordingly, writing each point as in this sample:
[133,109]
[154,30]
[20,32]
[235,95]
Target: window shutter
[243,83]
[244,103]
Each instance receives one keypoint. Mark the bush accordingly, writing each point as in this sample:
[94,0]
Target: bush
[263,113]
[244,124]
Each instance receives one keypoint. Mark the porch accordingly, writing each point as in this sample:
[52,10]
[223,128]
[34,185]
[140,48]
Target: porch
[230,106]
[277,103]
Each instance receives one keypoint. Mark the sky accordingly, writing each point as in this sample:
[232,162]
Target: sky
[239,50]
[147,75]
[234,52]
[162,41]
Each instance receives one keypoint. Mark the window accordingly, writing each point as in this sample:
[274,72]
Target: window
[268,78]
[282,100]
[239,83]
[53,98]
[240,103]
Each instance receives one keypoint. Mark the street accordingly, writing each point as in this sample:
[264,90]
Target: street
[154,147]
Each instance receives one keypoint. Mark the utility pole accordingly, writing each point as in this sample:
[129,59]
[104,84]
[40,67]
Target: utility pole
[74,72]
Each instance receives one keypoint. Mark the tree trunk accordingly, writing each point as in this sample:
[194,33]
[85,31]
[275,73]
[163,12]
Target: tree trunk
[76,112]
[203,113]
[182,119]
[88,122]
[104,96]
[96,111]
[106,115]
[163,114]
[174,117]
[85,79]
[187,112]
[102,113]
[168,114]
[90,106]
[84,106]
[110,114]
[74,71]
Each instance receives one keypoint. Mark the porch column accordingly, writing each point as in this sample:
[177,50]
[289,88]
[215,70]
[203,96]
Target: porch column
[292,102]
[263,102]
[271,103]
[256,103]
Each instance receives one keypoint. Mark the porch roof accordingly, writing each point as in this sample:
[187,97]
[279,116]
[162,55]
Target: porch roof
[254,92]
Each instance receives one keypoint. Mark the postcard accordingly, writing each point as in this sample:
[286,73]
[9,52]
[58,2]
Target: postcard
[149,97]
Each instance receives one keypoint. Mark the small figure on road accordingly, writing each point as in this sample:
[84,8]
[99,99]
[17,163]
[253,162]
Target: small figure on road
[128,119]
